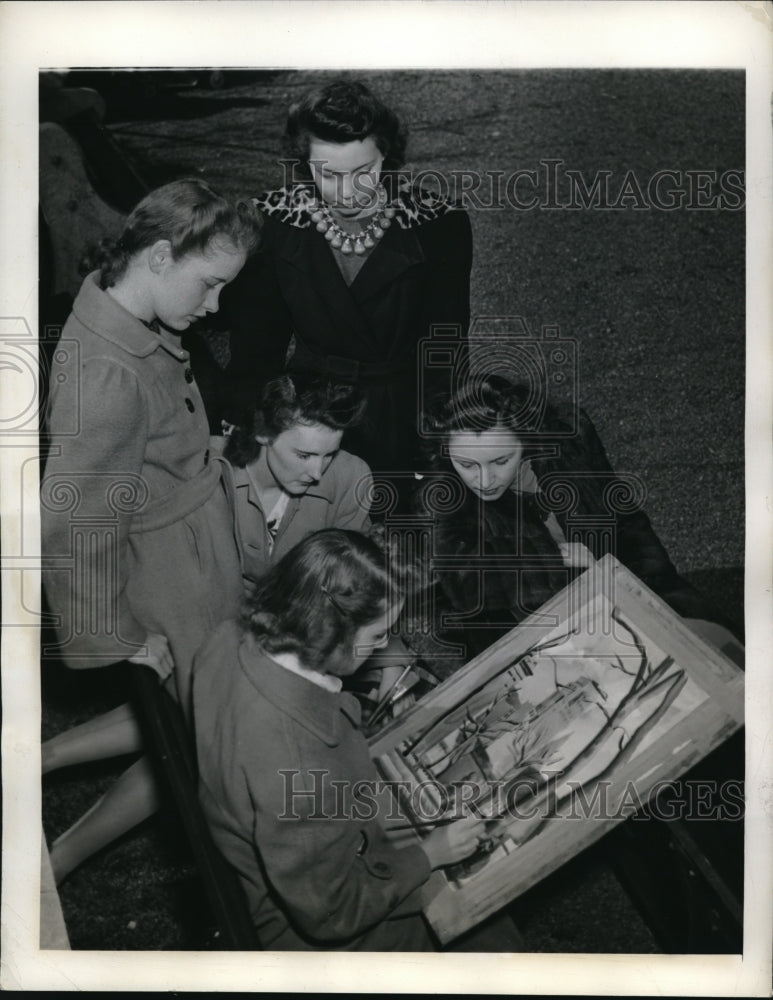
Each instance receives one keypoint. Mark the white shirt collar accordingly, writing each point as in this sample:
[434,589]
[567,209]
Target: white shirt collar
[326,681]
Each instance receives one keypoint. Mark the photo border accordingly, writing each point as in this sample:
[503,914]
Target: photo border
[339,34]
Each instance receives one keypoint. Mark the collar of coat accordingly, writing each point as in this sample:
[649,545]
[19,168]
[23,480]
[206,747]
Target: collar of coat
[324,489]
[294,205]
[106,318]
[317,710]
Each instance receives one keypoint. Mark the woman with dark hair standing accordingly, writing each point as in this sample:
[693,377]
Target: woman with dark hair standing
[286,780]
[355,269]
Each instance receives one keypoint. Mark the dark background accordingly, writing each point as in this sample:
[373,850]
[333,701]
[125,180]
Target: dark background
[653,301]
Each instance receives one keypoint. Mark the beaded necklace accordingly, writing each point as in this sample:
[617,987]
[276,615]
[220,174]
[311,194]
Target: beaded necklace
[358,243]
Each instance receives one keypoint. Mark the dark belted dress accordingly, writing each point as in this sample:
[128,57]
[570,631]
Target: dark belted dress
[292,299]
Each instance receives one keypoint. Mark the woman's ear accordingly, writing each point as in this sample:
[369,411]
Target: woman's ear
[160,256]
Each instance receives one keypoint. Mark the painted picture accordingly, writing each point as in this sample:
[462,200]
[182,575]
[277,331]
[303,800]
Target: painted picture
[595,702]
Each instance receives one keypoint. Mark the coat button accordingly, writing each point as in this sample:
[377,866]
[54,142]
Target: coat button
[189,404]
[188,375]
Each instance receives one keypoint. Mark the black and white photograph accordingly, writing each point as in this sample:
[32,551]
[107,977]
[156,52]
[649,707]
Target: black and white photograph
[385,446]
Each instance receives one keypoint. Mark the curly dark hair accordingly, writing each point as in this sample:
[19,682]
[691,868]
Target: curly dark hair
[481,404]
[299,397]
[554,438]
[313,601]
[344,111]
[189,214]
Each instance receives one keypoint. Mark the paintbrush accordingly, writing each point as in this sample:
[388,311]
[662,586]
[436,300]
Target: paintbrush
[389,697]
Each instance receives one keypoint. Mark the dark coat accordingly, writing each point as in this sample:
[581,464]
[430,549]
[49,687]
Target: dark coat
[366,333]
[280,762]
[592,504]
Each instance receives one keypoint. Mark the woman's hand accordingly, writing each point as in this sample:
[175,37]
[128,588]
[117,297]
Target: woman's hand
[449,844]
[157,656]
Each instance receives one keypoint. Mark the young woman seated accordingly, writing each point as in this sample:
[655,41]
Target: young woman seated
[530,487]
[289,476]
[285,773]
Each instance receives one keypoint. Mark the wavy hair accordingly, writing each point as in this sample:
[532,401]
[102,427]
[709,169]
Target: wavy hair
[494,401]
[189,214]
[313,601]
[484,404]
[300,397]
[344,111]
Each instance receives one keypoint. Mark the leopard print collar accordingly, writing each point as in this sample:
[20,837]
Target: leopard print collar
[291,205]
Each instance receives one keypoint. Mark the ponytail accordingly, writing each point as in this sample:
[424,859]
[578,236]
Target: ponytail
[189,214]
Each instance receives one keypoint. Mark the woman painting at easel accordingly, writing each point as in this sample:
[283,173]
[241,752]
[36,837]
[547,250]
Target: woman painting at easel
[281,757]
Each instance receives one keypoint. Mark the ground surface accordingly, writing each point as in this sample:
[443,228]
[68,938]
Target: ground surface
[651,300]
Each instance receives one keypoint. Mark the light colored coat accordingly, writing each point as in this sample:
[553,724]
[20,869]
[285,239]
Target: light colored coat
[136,528]
[341,499]
[277,754]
